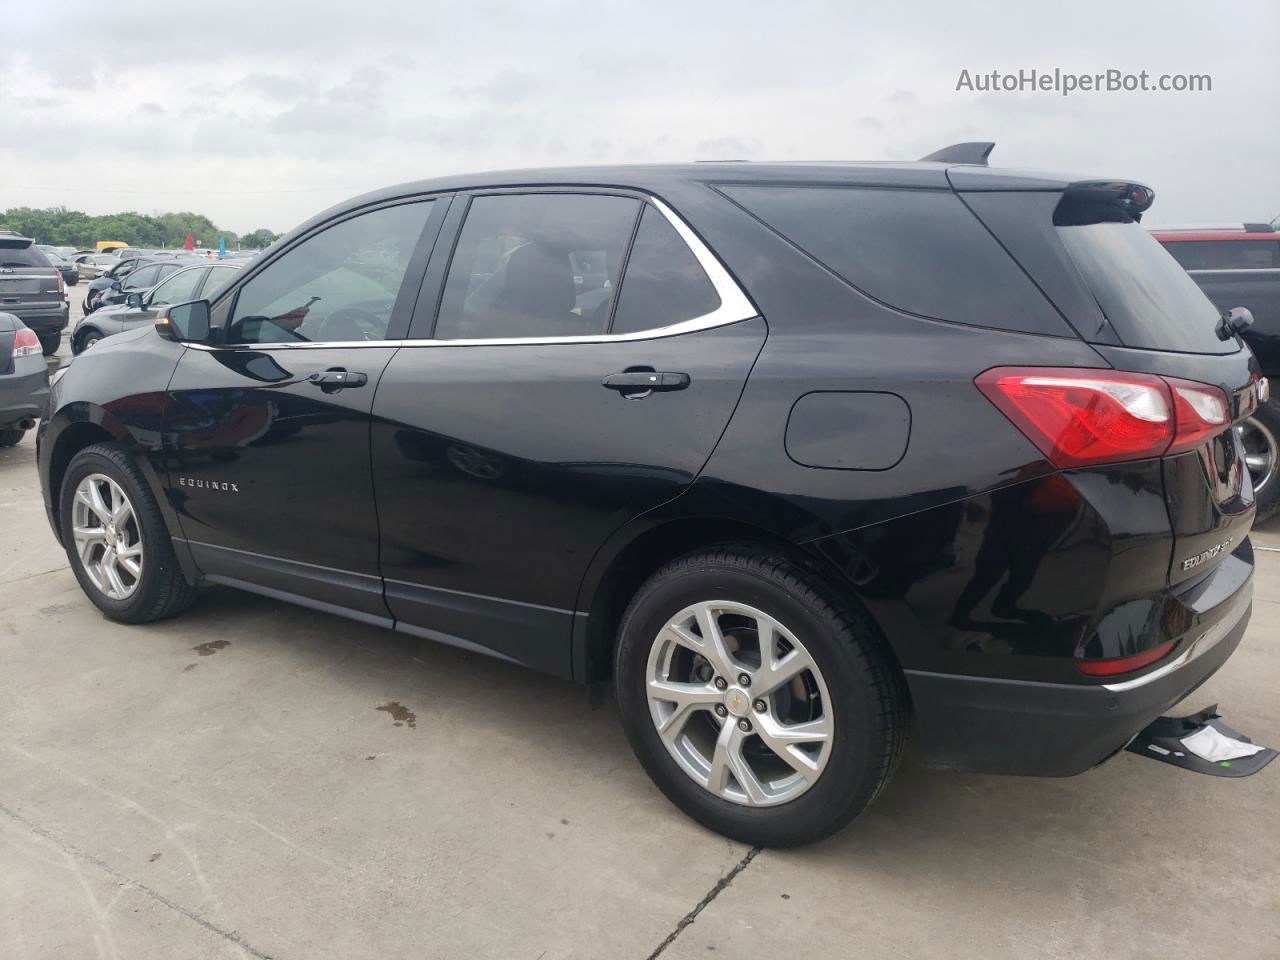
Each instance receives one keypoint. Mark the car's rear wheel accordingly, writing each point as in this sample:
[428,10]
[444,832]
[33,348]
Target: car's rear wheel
[9,438]
[116,539]
[1260,436]
[761,704]
[49,343]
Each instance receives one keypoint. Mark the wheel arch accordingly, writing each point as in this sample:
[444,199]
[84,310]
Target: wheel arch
[613,580]
[82,331]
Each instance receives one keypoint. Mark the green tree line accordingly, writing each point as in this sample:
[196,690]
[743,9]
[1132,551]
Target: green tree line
[71,228]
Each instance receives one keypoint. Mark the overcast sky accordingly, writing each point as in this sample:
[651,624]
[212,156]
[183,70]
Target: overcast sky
[262,113]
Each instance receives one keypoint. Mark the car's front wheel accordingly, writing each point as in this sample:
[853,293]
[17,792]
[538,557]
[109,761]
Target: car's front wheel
[85,340]
[116,539]
[760,703]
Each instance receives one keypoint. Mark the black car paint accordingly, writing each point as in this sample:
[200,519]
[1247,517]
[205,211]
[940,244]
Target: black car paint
[985,568]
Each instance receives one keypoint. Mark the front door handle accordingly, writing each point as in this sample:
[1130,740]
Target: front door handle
[336,378]
[638,382]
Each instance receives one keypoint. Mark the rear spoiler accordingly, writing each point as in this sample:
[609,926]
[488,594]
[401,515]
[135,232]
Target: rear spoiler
[1102,201]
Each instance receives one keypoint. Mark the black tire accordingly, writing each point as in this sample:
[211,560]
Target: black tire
[870,704]
[161,590]
[49,343]
[84,340]
[9,438]
[1268,418]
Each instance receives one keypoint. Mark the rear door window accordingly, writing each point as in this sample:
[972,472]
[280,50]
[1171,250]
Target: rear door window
[664,283]
[1226,254]
[1150,301]
[142,278]
[536,265]
[919,251]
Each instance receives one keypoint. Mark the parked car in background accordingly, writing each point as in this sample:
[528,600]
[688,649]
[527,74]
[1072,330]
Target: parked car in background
[202,280]
[70,272]
[90,265]
[1239,266]
[24,379]
[110,282]
[32,289]
[143,278]
[822,463]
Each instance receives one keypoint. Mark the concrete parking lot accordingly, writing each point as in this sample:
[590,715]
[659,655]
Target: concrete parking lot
[258,780]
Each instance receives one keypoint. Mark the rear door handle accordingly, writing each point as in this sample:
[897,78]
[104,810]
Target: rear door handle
[335,379]
[643,381]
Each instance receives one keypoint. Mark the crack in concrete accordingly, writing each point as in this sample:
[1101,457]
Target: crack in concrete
[72,850]
[702,904]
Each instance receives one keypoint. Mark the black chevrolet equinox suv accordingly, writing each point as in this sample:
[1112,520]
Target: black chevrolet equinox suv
[800,457]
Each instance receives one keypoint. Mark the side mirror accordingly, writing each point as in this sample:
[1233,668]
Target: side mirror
[185,322]
[1237,321]
[115,285]
[133,301]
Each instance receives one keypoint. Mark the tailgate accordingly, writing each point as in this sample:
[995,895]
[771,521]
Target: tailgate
[1208,490]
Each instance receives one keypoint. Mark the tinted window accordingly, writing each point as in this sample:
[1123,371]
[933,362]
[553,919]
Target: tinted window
[1151,302]
[219,277]
[1226,254]
[338,285]
[921,251]
[664,283]
[27,256]
[142,278]
[536,265]
[179,288]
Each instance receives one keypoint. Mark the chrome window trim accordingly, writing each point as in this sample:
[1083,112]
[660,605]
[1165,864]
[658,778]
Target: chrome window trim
[1219,270]
[734,308]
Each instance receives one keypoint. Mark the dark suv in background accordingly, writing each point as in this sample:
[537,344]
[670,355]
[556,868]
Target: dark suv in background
[1239,266]
[32,289]
[798,456]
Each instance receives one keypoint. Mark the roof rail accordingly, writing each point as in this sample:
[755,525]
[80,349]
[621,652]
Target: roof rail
[975,152]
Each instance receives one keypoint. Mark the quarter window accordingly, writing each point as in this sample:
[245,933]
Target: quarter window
[338,285]
[664,283]
[536,265]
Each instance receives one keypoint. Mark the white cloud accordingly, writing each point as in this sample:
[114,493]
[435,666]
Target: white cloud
[261,113]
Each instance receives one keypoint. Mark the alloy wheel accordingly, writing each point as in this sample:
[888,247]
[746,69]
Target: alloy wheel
[1260,451]
[107,536]
[739,703]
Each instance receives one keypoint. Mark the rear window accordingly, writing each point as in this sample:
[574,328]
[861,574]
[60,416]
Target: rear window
[14,255]
[1226,254]
[1150,301]
[920,251]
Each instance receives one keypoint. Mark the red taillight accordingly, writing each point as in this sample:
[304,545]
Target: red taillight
[25,343]
[1200,412]
[1080,416]
[1118,665]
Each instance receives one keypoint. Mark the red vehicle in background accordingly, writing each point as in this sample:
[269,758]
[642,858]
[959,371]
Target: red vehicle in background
[1238,265]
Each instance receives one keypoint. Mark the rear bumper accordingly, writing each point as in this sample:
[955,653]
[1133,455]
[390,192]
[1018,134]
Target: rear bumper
[24,393]
[1027,728]
[44,320]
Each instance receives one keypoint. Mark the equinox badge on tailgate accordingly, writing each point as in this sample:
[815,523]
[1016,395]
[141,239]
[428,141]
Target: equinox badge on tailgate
[1209,554]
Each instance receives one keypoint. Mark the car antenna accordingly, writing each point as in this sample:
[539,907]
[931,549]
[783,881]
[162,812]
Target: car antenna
[975,152]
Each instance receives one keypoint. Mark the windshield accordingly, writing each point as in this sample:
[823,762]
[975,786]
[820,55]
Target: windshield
[1149,299]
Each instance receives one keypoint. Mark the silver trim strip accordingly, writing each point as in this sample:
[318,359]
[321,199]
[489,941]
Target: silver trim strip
[1219,270]
[734,308]
[27,276]
[1202,644]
